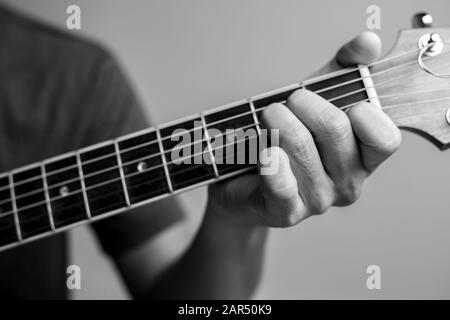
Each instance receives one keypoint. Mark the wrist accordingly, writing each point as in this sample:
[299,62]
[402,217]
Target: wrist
[221,227]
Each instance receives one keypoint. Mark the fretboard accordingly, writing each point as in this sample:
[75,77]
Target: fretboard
[111,177]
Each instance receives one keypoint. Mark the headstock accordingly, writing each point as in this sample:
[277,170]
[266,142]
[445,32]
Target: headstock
[415,99]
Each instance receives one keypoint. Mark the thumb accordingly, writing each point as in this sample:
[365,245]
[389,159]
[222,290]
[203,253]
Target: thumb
[363,49]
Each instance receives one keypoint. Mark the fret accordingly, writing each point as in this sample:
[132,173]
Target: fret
[143,167]
[264,137]
[119,161]
[14,206]
[184,148]
[212,160]
[47,199]
[102,179]
[65,192]
[9,230]
[83,186]
[164,160]
[238,149]
[31,201]
[255,118]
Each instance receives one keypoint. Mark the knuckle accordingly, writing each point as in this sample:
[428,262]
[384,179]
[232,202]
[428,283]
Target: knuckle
[283,217]
[319,204]
[281,193]
[292,219]
[286,218]
[281,209]
[349,193]
[335,123]
[302,143]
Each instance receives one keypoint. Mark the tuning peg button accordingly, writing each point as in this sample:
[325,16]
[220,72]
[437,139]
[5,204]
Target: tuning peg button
[422,20]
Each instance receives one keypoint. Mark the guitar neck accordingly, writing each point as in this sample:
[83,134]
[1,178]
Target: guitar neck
[111,177]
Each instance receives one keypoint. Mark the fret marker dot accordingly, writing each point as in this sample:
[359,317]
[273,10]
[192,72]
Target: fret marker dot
[141,166]
[64,191]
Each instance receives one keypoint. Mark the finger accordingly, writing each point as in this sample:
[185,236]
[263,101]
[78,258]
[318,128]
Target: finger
[314,186]
[333,135]
[377,134]
[363,49]
[280,202]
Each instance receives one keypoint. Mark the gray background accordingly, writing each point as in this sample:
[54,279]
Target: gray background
[187,56]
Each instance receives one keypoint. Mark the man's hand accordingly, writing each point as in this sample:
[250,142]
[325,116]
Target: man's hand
[323,158]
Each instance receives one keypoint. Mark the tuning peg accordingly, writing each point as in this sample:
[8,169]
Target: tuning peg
[422,20]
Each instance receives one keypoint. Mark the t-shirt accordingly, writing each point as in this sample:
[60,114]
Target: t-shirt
[59,93]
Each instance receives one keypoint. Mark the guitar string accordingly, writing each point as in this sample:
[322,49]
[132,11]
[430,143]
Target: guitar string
[325,77]
[129,175]
[138,146]
[121,152]
[79,180]
[65,182]
[414,102]
[137,185]
[158,154]
[124,164]
[37,177]
[117,179]
[149,157]
[121,192]
[104,195]
[175,173]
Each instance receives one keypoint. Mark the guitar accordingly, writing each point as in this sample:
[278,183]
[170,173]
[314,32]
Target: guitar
[111,177]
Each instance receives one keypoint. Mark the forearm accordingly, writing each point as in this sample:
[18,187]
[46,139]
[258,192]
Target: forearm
[224,262]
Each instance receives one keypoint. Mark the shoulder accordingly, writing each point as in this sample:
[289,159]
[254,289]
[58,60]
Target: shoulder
[51,48]
[51,74]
